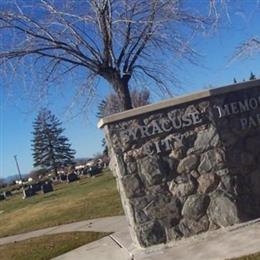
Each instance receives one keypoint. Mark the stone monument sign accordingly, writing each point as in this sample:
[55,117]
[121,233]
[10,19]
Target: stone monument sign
[189,164]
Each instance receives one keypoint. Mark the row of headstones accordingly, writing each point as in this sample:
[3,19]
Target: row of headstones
[74,176]
[36,187]
[66,177]
[47,186]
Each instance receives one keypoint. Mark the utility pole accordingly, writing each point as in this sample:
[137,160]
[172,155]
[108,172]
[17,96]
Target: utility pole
[19,172]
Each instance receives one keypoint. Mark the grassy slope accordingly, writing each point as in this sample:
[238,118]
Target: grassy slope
[47,247]
[89,198]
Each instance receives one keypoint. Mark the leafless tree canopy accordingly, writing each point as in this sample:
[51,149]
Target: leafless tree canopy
[247,49]
[247,11]
[115,39]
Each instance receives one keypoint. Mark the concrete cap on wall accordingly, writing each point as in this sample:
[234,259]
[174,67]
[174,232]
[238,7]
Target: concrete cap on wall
[177,101]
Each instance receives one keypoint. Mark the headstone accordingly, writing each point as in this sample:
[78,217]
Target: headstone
[28,192]
[2,197]
[93,170]
[47,187]
[63,177]
[36,186]
[7,193]
[189,164]
[72,177]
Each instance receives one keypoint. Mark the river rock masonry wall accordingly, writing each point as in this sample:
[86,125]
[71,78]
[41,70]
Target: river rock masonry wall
[188,165]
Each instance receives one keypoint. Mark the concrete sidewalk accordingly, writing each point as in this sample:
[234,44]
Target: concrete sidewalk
[241,239]
[108,224]
[104,249]
[222,244]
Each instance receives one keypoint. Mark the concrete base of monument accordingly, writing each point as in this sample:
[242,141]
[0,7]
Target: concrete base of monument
[238,240]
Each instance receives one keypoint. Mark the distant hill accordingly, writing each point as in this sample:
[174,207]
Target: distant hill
[13,177]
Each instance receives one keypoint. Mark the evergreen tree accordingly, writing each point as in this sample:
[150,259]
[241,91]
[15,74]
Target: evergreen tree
[252,76]
[234,80]
[51,149]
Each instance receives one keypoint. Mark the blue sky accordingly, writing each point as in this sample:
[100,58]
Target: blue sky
[17,113]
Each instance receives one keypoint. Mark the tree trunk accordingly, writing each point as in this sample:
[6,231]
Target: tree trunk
[123,93]
[120,85]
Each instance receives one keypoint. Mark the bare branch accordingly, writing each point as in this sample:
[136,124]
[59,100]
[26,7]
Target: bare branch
[115,39]
[247,49]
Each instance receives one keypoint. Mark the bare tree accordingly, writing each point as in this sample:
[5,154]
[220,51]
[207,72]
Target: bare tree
[115,39]
[247,49]
[246,11]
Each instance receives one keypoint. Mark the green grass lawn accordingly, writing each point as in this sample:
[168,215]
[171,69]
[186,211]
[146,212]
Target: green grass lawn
[86,199]
[47,247]
[255,256]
